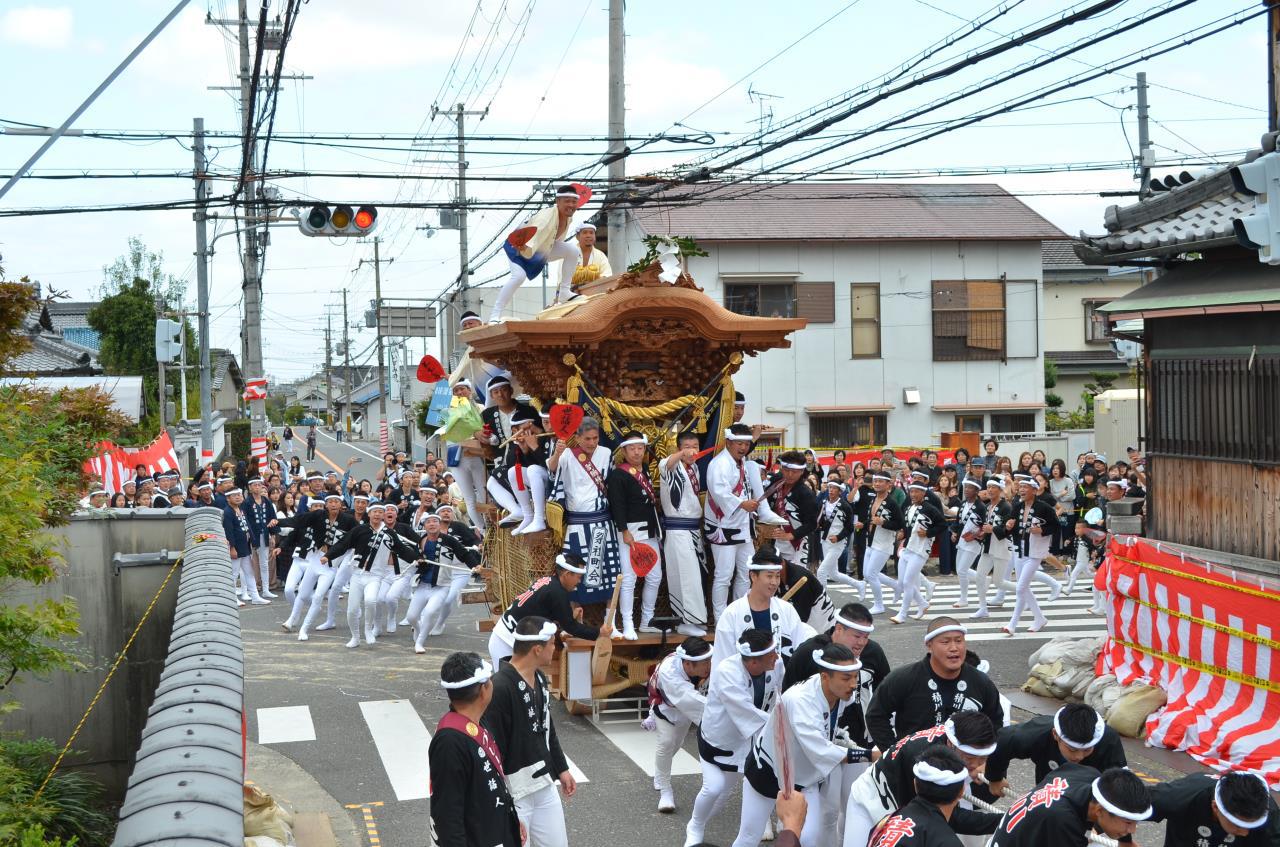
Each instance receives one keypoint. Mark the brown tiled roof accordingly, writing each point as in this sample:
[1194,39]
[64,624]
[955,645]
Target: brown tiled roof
[1061,255]
[844,212]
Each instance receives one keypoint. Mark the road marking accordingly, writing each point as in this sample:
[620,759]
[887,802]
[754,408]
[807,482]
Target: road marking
[402,740]
[373,456]
[640,747]
[578,775]
[283,724]
[370,825]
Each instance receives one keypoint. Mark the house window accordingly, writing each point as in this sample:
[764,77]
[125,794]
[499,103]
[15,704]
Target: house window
[969,423]
[816,302]
[761,299]
[968,320]
[1096,327]
[1015,422]
[865,300]
[1219,407]
[847,430]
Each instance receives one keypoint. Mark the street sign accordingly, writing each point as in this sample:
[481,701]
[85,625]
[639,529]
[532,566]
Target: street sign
[406,321]
[440,399]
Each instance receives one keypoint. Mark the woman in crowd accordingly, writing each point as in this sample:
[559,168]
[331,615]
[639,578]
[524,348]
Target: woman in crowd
[949,494]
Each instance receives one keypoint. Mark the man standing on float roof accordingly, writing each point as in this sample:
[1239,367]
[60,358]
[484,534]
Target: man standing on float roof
[540,241]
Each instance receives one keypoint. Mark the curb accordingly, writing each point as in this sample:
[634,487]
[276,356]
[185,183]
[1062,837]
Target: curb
[284,779]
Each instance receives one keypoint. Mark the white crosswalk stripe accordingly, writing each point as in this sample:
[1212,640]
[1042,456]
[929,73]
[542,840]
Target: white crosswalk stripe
[640,746]
[283,724]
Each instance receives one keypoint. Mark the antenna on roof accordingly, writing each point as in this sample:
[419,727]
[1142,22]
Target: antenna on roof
[765,120]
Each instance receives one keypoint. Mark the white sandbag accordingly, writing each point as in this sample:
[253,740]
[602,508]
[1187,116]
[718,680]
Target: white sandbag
[1051,652]
[1101,693]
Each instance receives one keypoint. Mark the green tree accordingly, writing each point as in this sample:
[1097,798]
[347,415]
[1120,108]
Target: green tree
[1053,401]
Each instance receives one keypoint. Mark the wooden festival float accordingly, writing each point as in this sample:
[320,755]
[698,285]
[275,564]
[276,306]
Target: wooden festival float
[634,352]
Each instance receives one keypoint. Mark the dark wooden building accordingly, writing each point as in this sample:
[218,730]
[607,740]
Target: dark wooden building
[1210,329]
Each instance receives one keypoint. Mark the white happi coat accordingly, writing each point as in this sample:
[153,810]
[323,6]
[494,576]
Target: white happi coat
[808,731]
[728,485]
[679,694]
[730,718]
[783,617]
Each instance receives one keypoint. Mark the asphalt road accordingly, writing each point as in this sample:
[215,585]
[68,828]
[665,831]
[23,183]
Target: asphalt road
[361,717]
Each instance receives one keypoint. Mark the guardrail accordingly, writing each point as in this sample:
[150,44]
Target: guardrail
[188,776]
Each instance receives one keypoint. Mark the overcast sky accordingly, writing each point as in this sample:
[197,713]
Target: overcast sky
[378,66]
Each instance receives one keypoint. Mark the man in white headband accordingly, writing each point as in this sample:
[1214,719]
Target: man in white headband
[925,522]
[320,529]
[677,696]
[519,717]
[761,608]
[996,558]
[809,714]
[836,525]
[470,803]
[891,782]
[727,516]
[376,553]
[1075,734]
[579,473]
[1073,801]
[1233,809]
[593,264]
[634,507]
[743,690]
[682,541]
[462,448]
[548,598]
[968,535]
[884,520]
[538,243]
[797,506]
[923,694]
[1032,535]
[940,778]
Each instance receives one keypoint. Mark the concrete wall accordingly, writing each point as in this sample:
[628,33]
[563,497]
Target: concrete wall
[818,369]
[111,603]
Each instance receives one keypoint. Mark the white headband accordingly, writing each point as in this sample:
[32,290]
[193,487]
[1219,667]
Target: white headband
[968,480]
[359,496]
[98,492]
[1117,483]
[831,483]
[464,382]
[327,497]
[764,566]
[641,439]
[1098,730]
[567,192]
[995,479]
[375,507]
[883,476]
[950,729]
[544,635]
[860,627]
[746,652]
[730,435]
[437,512]
[791,466]
[928,773]
[562,562]
[234,491]
[482,674]
[821,661]
[681,654]
[1116,810]
[953,627]
[1222,809]
[918,487]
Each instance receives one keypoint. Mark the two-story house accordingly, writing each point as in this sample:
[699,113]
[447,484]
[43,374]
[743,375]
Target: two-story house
[924,304]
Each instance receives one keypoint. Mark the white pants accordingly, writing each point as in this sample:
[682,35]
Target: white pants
[400,588]
[312,591]
[369,590]
[1025,599]
[797,555]
[829,570]
[471,476]
[756,809]
[873,562]
[671,735]
[249,584]
[427,599]
[288,444]
[836,810]
[296,571]
[863,811]
[717,785]
[910,567]
[566,250]
[341,576]
[683,549]
[543,816]
[730,562]
[503,497]
[965,560]
[264,567]
[627,594]
[457,581]
[1081,568]
[498,649]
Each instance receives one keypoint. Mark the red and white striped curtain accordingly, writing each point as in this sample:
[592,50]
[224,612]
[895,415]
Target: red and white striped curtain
[115,465]
[1206,635]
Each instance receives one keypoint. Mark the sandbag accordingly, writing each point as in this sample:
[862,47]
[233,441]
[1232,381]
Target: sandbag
[1083,652]
[1101,693]
[264,816]
[1128,715]
[1047,672]
[1051,652]
[261,841]
[1037,687]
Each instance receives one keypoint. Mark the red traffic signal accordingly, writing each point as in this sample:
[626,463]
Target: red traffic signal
[338,221]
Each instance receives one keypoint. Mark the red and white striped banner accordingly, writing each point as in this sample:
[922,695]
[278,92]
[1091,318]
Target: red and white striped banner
[1206,635]
[255,389]
[383,440]
[115,465]
[258,448]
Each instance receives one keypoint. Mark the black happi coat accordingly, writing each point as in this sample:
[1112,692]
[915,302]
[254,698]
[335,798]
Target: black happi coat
[1033,739]
[913,698]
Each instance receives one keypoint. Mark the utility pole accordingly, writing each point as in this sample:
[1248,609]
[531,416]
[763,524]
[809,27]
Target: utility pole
[202,294]
[459,115]
[617,248]
[328,369]
[182,365]
[1273,65]
[377,324]
[1146,153]
[346,354]
[160,386]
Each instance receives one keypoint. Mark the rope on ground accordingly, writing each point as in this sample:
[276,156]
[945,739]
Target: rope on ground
[103,687]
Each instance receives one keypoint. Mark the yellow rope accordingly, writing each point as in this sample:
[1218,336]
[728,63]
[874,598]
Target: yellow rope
[1225,630]
[1225,673]
[1252,592]
[101,688]
[648,413]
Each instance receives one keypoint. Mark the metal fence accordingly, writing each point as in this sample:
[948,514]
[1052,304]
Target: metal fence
[188,776]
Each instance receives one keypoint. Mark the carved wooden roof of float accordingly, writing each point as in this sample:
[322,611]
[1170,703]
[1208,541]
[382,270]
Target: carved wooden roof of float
[639,341]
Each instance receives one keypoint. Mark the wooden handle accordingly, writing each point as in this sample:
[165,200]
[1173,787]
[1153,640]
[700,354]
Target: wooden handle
[793,589]
[602,653]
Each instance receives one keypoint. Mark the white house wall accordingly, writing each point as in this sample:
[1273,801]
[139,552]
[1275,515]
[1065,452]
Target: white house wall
[818,369]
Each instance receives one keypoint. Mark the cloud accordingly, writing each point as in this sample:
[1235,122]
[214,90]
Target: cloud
[37,26]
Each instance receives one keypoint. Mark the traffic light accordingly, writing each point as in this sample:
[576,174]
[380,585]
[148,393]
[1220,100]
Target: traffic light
[1260,178]
[168,348]
[338,221]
